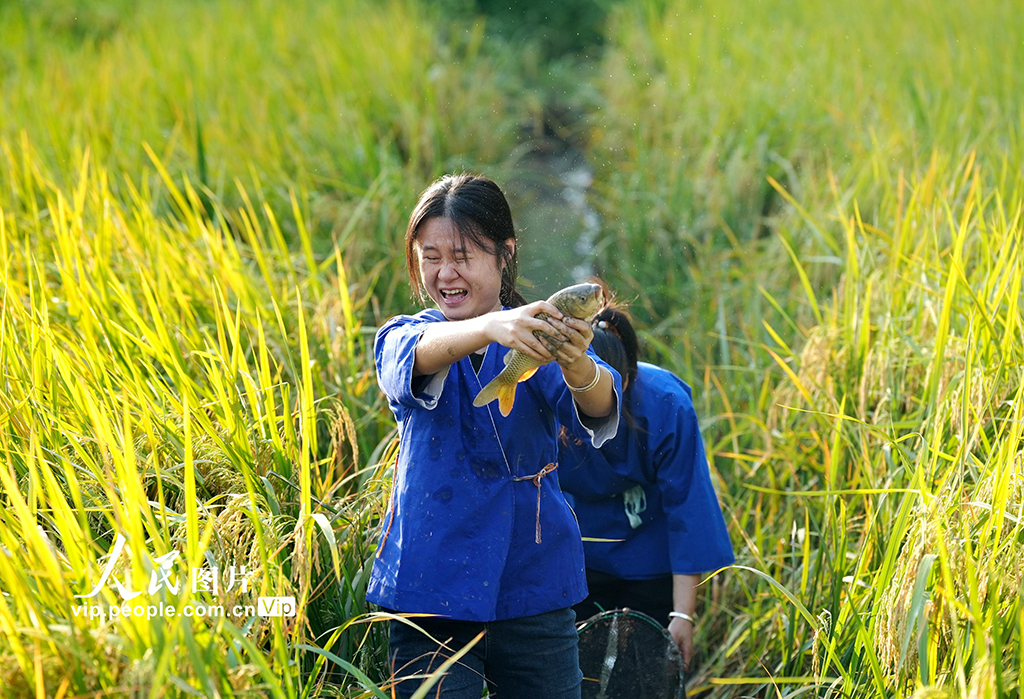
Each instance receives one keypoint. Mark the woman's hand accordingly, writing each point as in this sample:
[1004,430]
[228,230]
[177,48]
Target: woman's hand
[571,353]
[515,329]
[597,395]
[681,631]
[684,599]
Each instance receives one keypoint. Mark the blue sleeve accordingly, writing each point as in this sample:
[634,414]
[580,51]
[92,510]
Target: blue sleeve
[394,353]
[592,430]
[698,538]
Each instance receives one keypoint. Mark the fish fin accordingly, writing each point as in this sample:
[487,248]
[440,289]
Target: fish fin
[528,374]
[487,393]
[504,393]
[506,397]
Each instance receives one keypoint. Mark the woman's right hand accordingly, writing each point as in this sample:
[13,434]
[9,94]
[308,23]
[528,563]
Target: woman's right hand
[514,329]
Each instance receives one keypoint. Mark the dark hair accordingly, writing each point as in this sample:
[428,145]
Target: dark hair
[615,342]
[477,209]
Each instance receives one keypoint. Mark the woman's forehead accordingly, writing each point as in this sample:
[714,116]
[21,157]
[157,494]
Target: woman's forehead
[438,233]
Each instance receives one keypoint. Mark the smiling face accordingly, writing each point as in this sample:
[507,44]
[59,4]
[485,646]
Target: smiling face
[463,279]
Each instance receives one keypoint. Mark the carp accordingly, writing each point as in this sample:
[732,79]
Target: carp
[579,301]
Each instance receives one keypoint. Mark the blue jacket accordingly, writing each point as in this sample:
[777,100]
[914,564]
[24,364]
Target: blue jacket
[649,486]
[459,537]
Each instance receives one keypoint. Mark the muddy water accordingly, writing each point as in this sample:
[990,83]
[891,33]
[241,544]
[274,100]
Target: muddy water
[557,227]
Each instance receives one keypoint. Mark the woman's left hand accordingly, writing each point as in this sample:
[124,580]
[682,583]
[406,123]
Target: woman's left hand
[580,334]
[681,631]
[595,395]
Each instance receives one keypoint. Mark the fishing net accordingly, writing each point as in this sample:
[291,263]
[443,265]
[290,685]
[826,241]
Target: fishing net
[625,654]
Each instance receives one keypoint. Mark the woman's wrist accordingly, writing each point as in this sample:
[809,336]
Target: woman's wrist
[683,615]
[499,326]
[577,379]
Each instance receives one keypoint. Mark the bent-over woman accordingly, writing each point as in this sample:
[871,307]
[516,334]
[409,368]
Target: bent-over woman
[649,487]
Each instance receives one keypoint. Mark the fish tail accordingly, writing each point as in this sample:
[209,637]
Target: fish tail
[503,388]
[504,393]
[487,394]
[506,397]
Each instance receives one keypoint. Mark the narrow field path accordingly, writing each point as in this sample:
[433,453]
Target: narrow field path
[547,190]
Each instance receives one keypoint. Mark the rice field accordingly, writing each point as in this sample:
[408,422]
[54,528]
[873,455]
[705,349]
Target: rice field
[815,212]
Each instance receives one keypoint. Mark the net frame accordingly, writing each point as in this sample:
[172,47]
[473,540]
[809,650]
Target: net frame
[622,626]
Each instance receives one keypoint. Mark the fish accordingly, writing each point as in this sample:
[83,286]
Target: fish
[579,301]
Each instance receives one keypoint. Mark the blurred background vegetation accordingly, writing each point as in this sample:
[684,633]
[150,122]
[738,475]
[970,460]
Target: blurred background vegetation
[813,210]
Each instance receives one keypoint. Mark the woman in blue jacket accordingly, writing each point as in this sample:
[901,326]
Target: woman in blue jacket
[478,531]
[648,488]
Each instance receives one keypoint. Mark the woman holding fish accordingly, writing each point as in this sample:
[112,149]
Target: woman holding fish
[644,499]
[478,531]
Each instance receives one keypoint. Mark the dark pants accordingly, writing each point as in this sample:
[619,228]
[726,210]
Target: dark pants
[533,657]
[607,592]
